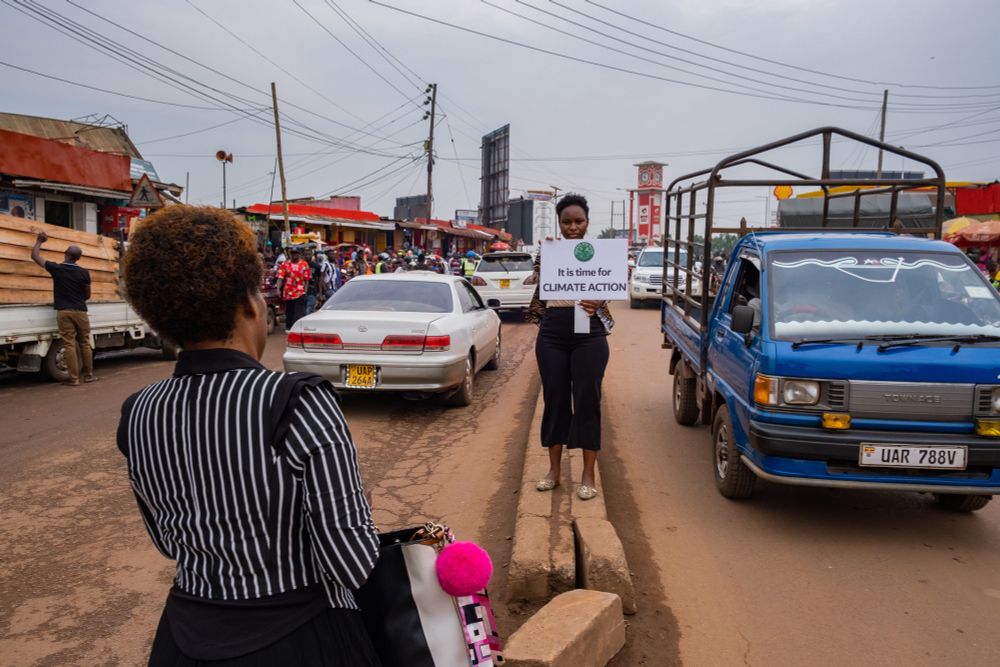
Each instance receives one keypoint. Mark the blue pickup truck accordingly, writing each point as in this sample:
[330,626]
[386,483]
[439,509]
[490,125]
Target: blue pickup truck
[838,355]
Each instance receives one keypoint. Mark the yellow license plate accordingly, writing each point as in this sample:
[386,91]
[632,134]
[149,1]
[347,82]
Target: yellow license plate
[362,377]
[505,283]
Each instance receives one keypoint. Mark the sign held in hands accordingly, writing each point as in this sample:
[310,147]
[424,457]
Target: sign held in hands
[584,269]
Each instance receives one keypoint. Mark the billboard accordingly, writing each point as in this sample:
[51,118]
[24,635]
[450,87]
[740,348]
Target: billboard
[495,177]
[465,217]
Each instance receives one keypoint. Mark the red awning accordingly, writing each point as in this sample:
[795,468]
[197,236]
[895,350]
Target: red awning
[978,201]
[51,160]
[314,212]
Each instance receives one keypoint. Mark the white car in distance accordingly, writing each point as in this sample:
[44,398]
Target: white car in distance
[508,277]
[418,333]
[647,281]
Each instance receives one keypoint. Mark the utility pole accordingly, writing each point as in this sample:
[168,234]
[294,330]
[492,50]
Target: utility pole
[433,90]
[881,134]
[555,194]
[187,185]
[612,218]
[281,162]
[623,218]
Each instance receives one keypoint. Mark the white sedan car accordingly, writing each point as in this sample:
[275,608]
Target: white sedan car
[414,332]
[507,277]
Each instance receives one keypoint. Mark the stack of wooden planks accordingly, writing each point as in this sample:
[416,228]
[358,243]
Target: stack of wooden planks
[24,282]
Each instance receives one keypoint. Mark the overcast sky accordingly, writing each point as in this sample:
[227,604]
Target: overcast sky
[574,125]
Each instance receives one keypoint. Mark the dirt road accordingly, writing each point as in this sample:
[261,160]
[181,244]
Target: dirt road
[80,583]
[793,576]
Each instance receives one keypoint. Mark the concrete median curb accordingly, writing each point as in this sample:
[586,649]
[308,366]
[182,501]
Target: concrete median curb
[576,629]
[565,547]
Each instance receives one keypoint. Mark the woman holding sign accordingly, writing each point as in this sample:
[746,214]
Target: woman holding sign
[571,365]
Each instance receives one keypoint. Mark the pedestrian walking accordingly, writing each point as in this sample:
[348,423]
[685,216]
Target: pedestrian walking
[312,287]
[572,366]
[455,264]
[292,279]
[248,478]
[70,291]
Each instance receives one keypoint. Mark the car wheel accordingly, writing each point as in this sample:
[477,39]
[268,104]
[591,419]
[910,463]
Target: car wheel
[463,395]
[732,477]
[962,502]
[272,320]
[685,400]
[494,362]
[55,362]
[632,303]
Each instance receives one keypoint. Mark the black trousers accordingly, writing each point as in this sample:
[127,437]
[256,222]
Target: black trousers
[572,369]
[295,309]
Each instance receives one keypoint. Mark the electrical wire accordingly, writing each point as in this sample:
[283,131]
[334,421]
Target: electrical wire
[784,64]
[199,131]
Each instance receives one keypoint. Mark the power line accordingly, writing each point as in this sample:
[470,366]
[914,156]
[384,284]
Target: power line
[349,49]
[109,92]
[199,131]
[780,63]
[250,46]
[615,68]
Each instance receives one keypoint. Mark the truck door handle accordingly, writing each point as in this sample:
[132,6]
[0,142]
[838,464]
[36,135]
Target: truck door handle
[720,333]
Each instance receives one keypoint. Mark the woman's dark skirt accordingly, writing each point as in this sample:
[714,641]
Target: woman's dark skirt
[335,638]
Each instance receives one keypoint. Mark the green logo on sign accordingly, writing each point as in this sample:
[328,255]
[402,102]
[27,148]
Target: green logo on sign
[583,252]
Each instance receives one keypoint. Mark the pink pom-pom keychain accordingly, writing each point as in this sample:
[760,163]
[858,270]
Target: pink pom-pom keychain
[463,568]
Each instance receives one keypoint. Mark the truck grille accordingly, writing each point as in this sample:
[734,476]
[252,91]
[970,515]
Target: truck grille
[918,401]
[836,395]
[984,401]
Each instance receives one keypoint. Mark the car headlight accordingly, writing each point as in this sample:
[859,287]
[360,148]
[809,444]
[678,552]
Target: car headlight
[995,402]
[776,391]
[800,392]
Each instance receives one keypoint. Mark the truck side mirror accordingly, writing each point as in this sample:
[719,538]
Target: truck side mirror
[742,319]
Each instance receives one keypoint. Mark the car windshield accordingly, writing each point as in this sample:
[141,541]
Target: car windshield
[393,296]
[878,293]
[505,263]
[651,258]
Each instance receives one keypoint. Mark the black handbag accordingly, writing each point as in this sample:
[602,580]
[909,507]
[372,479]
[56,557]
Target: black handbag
[411,620]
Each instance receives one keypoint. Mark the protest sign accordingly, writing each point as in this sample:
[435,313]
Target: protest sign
[580,270]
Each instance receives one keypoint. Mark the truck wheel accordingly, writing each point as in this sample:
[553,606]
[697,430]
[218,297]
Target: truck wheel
[169,350]
[685,400]
[55,362]
[494,362]
[962,502]
[272,320]
[463,395]
[732,477]
[632,303]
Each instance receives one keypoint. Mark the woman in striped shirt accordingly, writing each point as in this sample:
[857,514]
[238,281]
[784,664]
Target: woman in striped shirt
[247,478]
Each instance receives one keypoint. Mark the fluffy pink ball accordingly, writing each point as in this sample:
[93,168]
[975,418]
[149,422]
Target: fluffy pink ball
[463,568]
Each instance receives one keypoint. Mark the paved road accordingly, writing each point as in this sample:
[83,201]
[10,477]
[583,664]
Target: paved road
[794,576]
[80,582]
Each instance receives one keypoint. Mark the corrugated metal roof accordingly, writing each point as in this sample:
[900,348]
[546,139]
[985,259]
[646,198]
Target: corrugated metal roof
[104,139]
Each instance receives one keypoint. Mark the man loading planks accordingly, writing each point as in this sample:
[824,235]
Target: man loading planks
[71,289]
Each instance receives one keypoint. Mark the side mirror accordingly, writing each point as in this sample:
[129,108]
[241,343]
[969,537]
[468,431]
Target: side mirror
[493,303]
[631,264]
[742,319]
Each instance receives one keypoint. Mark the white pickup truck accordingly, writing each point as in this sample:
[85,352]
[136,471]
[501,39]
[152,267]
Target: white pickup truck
[29,337]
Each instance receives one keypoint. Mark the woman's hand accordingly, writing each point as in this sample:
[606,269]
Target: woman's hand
[590,307]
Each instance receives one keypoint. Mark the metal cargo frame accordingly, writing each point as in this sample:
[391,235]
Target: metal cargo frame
[695,310]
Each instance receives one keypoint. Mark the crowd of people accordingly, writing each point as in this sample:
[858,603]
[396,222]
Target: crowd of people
[306,277]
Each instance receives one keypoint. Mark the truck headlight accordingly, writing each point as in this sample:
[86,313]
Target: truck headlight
[800,392]
[995,402]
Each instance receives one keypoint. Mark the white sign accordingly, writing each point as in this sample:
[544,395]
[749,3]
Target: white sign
[586,269]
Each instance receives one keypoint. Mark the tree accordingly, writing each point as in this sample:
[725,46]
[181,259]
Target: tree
[608,233]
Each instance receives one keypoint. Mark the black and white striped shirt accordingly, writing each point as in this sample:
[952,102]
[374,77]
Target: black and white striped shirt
[249,480]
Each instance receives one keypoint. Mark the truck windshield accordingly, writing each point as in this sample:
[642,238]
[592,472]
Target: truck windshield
[877,293]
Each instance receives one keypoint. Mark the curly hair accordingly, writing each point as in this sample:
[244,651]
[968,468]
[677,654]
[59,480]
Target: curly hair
[572,199]
[188,269]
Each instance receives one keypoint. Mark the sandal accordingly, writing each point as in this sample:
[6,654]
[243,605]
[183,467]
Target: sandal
[546,484]
[585,492]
